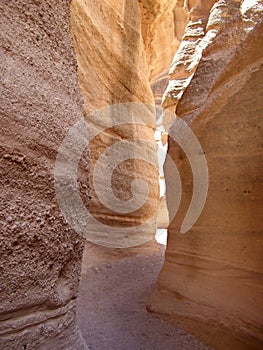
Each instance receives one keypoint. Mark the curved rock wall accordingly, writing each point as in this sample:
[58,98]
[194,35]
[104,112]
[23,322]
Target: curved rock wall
[163,25]
[40,254]
[211,280]
[189,53]
[113,69]
[210,283]
[119,56]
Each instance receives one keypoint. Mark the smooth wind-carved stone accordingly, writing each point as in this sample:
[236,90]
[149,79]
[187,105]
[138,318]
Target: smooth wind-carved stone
[211,280]
[112,68]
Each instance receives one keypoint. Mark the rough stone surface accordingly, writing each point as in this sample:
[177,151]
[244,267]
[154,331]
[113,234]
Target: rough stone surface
[211,282]
[40,255]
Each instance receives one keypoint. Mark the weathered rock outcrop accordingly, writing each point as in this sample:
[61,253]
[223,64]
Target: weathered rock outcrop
[40,254]
[211,282]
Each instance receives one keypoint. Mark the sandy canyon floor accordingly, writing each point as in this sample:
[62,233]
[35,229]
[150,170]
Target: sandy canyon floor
[115,286]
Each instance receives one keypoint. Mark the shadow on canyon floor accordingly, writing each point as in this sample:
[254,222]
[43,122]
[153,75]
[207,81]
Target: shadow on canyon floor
[114,288]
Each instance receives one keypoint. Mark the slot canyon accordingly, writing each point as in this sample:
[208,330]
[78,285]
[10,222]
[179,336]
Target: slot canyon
[93,95]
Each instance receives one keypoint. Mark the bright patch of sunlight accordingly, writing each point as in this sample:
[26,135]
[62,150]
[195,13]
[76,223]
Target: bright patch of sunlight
[161,236]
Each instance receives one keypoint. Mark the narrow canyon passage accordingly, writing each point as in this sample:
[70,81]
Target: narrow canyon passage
[135,74]
[114,288]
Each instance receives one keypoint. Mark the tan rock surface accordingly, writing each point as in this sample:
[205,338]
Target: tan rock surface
[163,25]
[211,282]
[159,33]
[113,69]
[189,52]
[40,254]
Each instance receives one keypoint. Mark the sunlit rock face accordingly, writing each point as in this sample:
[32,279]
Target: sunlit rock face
[124,58]
[113,68]
[40,254]
[189,53]
[163,25]
[162,28]
[211,280]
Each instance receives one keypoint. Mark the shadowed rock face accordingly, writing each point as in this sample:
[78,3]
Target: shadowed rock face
[211,282]
[40,254]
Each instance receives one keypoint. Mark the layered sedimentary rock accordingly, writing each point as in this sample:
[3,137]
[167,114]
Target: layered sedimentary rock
[189,53]
[119,57]
[40,254]
[163,25]
[211,282]
[112,68]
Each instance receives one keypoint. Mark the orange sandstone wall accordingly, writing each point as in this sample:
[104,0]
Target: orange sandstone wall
[211,282]
[112,68]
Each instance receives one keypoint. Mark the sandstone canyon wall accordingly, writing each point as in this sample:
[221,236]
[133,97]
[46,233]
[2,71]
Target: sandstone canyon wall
[40,257]
[162,26]
[124,50]
[40,263]
[113,68]
[211,282]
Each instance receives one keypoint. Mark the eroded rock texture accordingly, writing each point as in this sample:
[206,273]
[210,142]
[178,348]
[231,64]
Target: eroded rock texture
[211,282]
[40,254]
[112,69]
[163,25]
[189,53]
[120,58]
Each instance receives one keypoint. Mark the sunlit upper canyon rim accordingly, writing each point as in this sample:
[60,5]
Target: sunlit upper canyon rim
[131,172]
